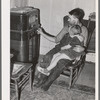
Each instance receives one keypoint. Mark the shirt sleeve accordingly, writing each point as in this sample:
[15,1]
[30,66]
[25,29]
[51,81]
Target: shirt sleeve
[61,34]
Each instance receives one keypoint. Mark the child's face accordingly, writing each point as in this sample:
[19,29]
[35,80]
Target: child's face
[72,31]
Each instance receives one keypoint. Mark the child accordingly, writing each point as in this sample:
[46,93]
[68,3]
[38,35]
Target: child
[67,51]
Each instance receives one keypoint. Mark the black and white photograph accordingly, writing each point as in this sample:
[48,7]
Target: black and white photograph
[46,59]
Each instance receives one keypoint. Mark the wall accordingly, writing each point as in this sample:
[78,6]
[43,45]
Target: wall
[18,3]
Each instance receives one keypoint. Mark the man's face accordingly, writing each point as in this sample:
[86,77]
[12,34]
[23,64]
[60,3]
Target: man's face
[73,20]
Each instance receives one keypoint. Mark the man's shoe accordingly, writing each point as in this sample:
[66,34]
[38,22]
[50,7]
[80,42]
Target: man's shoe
[38,84]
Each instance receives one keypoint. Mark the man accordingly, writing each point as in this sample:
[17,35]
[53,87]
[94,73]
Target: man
[74,18]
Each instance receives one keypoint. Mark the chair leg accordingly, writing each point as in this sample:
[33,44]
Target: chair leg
[17,90]
[73,78]
[77,75]
[81,67]
[70,79]
[31,83]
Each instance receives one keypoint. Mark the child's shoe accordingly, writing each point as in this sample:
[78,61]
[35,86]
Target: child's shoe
[43,71]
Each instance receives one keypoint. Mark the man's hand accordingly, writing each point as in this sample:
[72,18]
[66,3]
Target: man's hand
[45,34]
[39,31]
[79,48]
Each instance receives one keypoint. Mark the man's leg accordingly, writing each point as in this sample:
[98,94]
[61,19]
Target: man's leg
[61,65]
[57,58]
[42,78]
[46,62]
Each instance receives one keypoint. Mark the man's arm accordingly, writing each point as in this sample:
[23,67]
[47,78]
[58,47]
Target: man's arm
[55,39]
[50,38]
[61,34]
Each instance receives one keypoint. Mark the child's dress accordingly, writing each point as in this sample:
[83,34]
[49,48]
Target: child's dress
[73,42]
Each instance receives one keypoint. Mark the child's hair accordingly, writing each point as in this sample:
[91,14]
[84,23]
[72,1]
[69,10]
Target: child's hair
[77,29]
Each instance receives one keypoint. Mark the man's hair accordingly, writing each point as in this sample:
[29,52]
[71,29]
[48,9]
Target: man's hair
[77,28]
[78,13]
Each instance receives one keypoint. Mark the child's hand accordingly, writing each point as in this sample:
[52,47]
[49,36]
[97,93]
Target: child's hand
[78,48]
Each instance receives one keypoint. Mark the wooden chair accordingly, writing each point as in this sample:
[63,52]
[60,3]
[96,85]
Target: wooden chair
[21,78]
[75,69]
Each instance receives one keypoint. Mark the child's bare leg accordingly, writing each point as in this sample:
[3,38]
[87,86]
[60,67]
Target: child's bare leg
[44,70]
[54,56]
[57,58]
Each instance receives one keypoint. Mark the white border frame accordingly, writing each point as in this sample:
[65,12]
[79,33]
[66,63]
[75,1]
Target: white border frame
[97,54]
[5,50]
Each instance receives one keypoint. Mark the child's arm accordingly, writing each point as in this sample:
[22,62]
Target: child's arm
[66,47]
